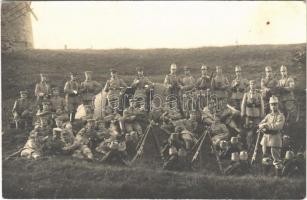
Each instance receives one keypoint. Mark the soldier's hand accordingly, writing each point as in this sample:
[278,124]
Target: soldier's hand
[41,94]
[75,91]
[263,126]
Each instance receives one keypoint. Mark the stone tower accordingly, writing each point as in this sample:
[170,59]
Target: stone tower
[16,26]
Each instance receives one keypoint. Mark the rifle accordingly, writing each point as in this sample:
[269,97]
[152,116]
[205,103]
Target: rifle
[259,131]
[14,154]
[216,154]
[199,146]
[141,144]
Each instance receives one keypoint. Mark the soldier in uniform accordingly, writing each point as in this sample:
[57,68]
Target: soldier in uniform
[173,85]
[188,82]
[89,88]
[36,143]
[239,164]
[142,85]
[238,88]
[42,89]
[56,100]
[115,88]
[71,89]
[268,87]
[202,84]
[271,125]
[81,147]
[22,111]
[252,109]
[219,85]
[46,111]
[294,164]
[287,99]
[129,119]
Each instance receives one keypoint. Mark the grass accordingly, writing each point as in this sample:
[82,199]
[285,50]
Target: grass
[62,177]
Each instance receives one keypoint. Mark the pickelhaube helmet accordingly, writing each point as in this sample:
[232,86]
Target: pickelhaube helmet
[235,156]
[273,99]
[238,68]
[283,68]
[173,66]
[289,155]
[243,155]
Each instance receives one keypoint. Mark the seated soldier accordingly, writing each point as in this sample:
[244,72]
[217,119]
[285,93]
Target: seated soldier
[228,148]
[81,147]
[56,100]
[47,114]
[35,145]
[59,112]
[130,119]
[174,153]
[294,165]
[22,110]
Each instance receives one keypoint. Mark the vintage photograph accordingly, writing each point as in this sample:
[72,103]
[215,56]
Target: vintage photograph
[153,99]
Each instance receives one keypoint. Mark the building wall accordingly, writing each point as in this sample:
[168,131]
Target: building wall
[16,26]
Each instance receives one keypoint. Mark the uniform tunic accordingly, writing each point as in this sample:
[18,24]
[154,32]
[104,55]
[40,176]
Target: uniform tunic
[238,87]
[89,89]
[72,99]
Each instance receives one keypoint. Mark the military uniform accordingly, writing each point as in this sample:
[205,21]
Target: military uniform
[71,89]
[287,100]
[268,88]
[294,165]
[252,109]
[202,84]
[189,98]
[42,89]
[238,166]
[238,87]
[272,125]
[114,88]
[56,101]
[220,84]
[89,88]
[129,119]
[22,110]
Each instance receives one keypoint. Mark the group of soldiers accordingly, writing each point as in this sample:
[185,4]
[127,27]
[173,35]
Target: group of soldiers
[235,116]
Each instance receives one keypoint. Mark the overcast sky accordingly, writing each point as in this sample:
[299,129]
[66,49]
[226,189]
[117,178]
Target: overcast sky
[104,25]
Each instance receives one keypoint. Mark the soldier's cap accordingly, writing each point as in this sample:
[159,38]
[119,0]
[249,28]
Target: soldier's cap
[218,67]
[139,69]
[43,75]
[252,82]
[88,72]
[235,156]
[268,68]
[238,68]
[289,155]
[186,68]
[204,67]
[283,68]
[243,155]
[73,73]
[24,92]
[173,66]
[113,71]
[273,99]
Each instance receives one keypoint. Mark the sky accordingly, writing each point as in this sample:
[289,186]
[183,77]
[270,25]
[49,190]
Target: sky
[166,24]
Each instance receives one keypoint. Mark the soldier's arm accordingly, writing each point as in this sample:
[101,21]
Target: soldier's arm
[15,107]
[226,83]
[233,84]
[134,83]
[291,85]
[67,89]
[148,82]
[243,105]
[106,87]
[37,90]
[167,81]
[262,85]
[279,124]
[264,121]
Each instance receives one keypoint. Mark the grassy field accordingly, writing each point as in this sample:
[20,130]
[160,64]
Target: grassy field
[59,177]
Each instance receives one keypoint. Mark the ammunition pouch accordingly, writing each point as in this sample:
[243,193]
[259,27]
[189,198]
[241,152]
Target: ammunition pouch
[253,105]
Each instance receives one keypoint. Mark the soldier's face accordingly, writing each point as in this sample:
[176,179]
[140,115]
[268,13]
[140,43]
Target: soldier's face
[238,73]
[203,71]
[90,125]
[45,106]
[44,78]
[218,70]
[273,106]
[58,123]
[173,70]
[252,86]
[113,75]
[73,78]
[140,73]
[268,73]
[44,122]
[186,72]
[283,73]
[56,93]
[23,96]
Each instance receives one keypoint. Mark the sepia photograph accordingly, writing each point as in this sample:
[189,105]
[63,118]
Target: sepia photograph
[153,99]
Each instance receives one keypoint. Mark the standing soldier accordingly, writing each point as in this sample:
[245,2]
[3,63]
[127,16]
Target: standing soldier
[42,89]
[141,84]
[203,84]
[71,89]
[286,87]
[89,88]
[220,84]
[22,110]
[188,82]
[57,102]
[271,125]
[115,88]
[238,87]
[252,109]
[268,87]
[173,85]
